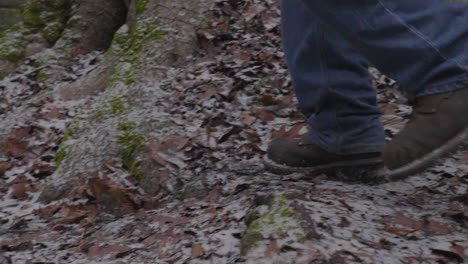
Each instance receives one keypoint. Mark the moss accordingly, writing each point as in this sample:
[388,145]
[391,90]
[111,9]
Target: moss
[53,31]
[31,14]
[61,154]
[42,76]
[278,218]
[140,6]
[301,238]
[132,143]
[71,132]
[287,213]
[250,217]
[128,45]
[115,106]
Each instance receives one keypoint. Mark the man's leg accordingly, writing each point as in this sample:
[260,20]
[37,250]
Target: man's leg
[334,89]
[422,44]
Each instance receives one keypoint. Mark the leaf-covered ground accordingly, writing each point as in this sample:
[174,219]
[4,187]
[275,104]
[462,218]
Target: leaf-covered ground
[232,98]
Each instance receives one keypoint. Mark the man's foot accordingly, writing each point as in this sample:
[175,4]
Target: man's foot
[438,125]
[285,156]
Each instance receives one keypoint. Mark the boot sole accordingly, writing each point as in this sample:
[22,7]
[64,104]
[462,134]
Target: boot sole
[282,169]
[423,163]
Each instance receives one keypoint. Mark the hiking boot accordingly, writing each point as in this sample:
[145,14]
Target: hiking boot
[285,156]
[437,126]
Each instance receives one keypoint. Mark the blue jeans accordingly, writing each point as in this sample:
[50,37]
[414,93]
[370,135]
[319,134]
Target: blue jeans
[329,45]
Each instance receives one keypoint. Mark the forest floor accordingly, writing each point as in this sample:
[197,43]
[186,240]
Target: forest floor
[239,94]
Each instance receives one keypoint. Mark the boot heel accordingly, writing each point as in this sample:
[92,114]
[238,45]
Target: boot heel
[367,174]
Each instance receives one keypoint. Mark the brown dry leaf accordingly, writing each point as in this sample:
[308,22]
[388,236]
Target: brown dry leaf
[294,132]
[399,231]
[434,227]
[250,135]
[15,147]
[169,151]
[241,56]
[23,246]
[48,211]
[267,100]
[209,93]
[461,250]
[463,159]
[448,254]
[114,199]
[54,112]
[263,114]
[247,119]
[197,251]
[20,190]
[252,13]
[85,245]
[115,249]
[151,239]
[73,216]
[4,166]
[40,169]
[427,226]
[272,250]
[388,109]
[394,122]
[59,227]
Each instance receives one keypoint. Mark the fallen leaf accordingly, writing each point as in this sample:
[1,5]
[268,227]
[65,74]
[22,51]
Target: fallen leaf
[16,147]
[197,251]
[399,231]
[48,211]
[4,166]
[448,254]
[267,100]
[151,239]
[20,191]
[263,114]
[247,119]
[113,199]
[85,246]
[427,226]
[23,246]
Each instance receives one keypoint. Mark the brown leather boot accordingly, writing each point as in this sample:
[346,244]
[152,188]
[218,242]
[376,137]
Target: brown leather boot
[438,125]
[285,156]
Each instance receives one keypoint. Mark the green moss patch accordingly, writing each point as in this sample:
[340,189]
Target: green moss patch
[140,6]
[61,154]
[128,44]
[114,106]
[132,144]
[278,216]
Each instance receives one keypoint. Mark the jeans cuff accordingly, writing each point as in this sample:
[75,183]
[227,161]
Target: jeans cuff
[448,86]
[346,148]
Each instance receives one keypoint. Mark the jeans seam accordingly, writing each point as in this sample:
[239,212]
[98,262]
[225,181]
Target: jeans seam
[419,34]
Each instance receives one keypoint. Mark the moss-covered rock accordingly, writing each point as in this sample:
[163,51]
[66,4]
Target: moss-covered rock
[128,44]
[53,30]
[12,43]
[274,218]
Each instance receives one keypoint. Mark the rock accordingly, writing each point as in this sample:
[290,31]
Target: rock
[36,44]
[11,3]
